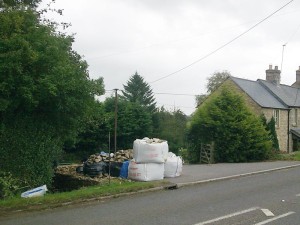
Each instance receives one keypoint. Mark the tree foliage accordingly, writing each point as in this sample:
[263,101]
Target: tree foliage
[238,134]
[28,149]
[134,121]
[200,99]
[40,74]
[171,126]
[215,80]
[270,128]
[15,3]
[45,92]
[138,91]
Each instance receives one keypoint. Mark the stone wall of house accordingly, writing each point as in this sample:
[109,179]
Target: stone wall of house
[282,129]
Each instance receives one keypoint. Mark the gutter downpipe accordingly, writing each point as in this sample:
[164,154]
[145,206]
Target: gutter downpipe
[288,131]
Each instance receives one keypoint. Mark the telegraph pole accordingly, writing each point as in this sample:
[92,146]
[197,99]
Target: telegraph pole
[116,117]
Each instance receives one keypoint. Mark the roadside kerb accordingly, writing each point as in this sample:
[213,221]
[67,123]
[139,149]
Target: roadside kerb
[172,185]
[235,176]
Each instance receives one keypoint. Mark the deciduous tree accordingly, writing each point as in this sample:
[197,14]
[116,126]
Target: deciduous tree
[45,92]
[215,80]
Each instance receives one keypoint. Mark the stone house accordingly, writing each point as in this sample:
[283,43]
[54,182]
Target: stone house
[273,99]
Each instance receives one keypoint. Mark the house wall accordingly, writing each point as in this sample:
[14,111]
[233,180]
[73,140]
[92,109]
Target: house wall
[282,129]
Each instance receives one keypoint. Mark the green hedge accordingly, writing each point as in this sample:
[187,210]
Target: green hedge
[28,150]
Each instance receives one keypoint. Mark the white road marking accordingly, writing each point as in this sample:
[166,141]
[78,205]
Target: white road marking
[228,216]
[267,212]
[298,195]
[274,218]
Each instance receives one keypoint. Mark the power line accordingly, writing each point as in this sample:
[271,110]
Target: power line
[174,94]
[176,40]
[224,45]
[178,106]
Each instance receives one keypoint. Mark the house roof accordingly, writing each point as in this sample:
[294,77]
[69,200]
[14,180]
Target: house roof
[260,93]
[296,131]
[290,96]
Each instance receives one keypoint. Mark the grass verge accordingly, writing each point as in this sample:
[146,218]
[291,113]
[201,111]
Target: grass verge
[53,200]
[294,156]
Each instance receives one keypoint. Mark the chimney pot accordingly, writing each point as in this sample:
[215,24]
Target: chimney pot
[273,75]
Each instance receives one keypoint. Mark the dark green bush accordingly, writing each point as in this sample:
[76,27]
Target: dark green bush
[238,134]
[8,185]
[28,150]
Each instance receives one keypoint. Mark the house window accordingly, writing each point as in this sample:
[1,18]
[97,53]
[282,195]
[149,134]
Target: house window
[296,117]
[276,117]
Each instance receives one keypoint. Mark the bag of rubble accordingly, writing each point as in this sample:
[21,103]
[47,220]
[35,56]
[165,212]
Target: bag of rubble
[145,171]
[173,165]
[114,168]
[94,169]
[150,150]
[124,170]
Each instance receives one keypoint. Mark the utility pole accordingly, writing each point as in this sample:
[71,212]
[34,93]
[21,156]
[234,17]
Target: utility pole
[116,117]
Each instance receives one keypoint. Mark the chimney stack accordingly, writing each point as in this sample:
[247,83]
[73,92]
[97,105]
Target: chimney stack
[273,75]
[298,75]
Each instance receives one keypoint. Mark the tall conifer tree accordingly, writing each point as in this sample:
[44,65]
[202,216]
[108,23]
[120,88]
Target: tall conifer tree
[138,91]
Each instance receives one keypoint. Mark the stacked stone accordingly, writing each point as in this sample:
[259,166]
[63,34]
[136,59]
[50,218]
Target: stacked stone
[123,155]
[120,156]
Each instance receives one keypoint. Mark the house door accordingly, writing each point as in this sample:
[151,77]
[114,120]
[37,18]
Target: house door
[296,144]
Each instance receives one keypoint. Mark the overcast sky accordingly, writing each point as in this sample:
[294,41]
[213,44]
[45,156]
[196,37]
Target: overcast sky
[159,37]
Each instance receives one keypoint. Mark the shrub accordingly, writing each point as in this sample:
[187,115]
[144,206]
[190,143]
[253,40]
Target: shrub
[238,134]
[28,150]
[8,185]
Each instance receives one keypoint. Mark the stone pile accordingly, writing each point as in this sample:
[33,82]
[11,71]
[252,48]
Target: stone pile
[120,156]
[123,155]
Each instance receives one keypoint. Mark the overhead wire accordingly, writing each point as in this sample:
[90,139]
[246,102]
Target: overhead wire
[176,40]
[224,45]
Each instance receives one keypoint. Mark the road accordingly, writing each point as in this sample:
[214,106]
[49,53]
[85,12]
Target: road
[268,198]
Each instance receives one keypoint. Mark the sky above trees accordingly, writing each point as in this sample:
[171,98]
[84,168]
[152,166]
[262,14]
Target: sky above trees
[157,38]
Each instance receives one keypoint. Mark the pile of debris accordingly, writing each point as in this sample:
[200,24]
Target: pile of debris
[153,140]
[120,156]
[102,164]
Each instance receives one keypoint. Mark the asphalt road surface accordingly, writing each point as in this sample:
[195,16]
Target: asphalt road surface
[269,198]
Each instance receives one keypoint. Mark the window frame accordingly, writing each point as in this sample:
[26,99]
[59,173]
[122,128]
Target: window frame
[276,116]
[296,117]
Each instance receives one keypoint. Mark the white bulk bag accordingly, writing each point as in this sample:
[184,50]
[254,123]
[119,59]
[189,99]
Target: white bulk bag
[150,152]
[173,166]
[145,171]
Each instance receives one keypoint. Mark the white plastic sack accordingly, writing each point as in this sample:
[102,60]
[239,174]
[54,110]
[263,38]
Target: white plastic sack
[145,171]
[173,166]
[145,151]
[36,192]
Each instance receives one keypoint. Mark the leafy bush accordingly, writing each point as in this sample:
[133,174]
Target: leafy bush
[28,150]
[8,185]
[183,152]
[238,134]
